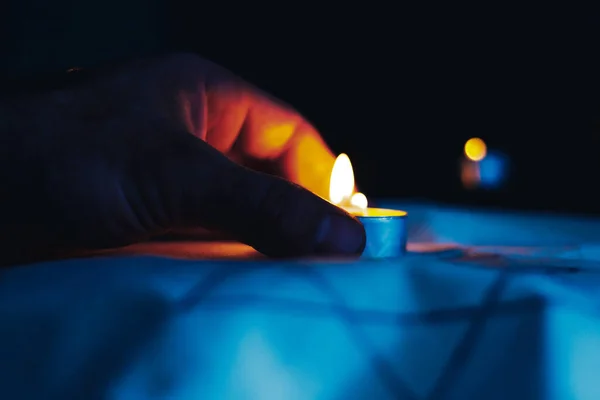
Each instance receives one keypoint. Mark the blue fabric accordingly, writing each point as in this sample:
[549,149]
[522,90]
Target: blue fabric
[486,306]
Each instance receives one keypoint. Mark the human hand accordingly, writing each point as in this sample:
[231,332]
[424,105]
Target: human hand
[161,145]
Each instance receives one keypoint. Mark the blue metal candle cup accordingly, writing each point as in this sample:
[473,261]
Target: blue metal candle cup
[386,233]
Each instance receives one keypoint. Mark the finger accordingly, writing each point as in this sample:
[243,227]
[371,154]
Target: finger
[252,126]
[203,188]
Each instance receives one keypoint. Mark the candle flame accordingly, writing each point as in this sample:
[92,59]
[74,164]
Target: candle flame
[341,183]
[475,149]
[341,187]
[359,200]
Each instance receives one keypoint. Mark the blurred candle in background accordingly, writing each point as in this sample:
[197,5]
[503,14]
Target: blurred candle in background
[480,167]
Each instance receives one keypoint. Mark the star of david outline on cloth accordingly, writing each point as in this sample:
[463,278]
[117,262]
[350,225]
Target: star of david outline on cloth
[353,319]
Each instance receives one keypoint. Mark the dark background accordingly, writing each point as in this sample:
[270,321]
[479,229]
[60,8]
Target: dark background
[399,89]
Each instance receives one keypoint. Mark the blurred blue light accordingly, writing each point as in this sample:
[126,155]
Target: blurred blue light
[492,170]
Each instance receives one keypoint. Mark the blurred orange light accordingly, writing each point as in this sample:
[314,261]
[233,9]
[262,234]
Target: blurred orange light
[470,174]
[475,149]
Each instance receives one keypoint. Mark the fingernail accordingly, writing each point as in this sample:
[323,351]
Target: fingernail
[341,235]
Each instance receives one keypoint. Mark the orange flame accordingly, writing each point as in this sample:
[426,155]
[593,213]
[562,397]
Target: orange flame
[341,186]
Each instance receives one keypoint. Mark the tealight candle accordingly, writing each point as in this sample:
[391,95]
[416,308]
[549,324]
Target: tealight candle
[385,229]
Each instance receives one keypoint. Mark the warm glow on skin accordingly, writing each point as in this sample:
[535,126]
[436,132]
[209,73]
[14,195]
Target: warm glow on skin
[159,161]
[308,162]
[475,149]
[251,126]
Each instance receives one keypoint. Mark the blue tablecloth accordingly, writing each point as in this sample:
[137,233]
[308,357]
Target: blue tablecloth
[485,306]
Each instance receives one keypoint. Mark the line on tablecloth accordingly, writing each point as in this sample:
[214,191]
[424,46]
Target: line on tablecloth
[370,317]
[213,279]
[218,276]
[521,263]
[353,319]
[389,378]
[464,349]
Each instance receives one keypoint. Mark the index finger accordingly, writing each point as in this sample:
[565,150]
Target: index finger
[246,122]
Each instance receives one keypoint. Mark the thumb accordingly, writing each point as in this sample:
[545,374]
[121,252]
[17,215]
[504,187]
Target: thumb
[276,217]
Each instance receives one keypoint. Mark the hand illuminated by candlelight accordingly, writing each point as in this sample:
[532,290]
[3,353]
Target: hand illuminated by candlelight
[119,156]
